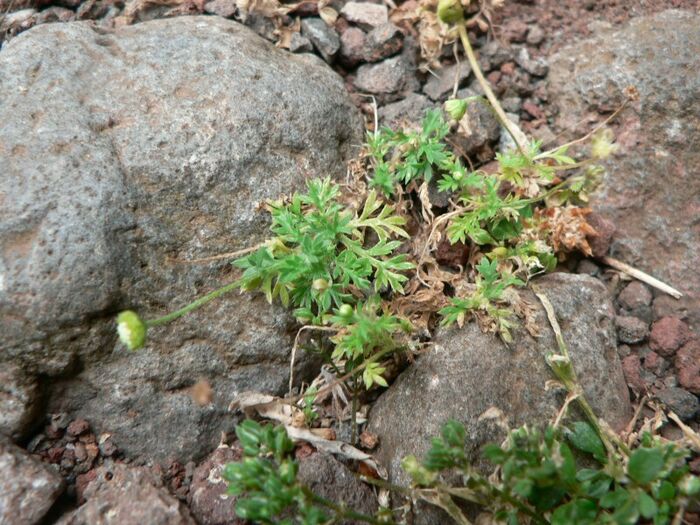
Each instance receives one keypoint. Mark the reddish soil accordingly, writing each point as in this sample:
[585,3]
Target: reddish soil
[566,20]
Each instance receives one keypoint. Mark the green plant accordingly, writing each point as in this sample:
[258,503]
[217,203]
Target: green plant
[490,285]
[267,478]
[319,253]
[538,478]
[413,155]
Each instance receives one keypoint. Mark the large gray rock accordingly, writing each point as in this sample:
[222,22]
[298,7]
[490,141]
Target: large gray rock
[123,154]
[652,185]
[122,495]
[467,372]
[28,488]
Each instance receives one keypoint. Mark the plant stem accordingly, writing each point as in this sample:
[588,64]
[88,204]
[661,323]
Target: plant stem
[353,428]
[193,305]
[341,511]
[515,132]
[572,383]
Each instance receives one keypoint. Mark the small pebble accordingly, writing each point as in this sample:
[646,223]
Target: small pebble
[680,401]
[515,30]
[324,38]
[687,363]
[668,335]
[634,295]
[630,329]
[588,267]
[77,427]
[365,14]
[300,44]
[535,35]
[632,370]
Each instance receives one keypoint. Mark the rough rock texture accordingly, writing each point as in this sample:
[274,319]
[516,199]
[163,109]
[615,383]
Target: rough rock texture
[124,153]
[330,479]
[19,402]
[208,500]
[668,334]
[28,488]
[122,495]
[651,188]
[407,112]
[683,403]
[468,372]
[365,14]
[688,365]
[441,84]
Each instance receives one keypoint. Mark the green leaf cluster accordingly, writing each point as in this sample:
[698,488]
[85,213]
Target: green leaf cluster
[320,256]
[266,485]
[490,285]
[405,156]
[266,478]
[541,478]
[322,263]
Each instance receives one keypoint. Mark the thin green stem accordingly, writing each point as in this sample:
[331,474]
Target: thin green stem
[573,385]
[515,132]
[193,305]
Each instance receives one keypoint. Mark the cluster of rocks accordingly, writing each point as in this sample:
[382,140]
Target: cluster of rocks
[74,451]
[120,184]
[646,191]
[378,57]
[660,355]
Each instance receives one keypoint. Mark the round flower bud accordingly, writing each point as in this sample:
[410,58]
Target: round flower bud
[131,330]
[345,310]
[456,108]
[450,11]
[320,285]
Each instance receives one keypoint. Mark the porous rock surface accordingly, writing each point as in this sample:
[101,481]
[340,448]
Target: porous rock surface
[651,188]
[123,495]
[28,488]
[124,153]
[467,372]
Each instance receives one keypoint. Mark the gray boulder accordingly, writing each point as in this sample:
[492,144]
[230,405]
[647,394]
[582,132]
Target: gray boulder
[28,488]
[124,154]
[652,185]
[467,372]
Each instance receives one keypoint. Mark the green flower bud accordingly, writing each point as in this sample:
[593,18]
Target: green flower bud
[456,108]
[131,330]
[320,285]
[345,311]
[419,474]
[690,485]
[450,11]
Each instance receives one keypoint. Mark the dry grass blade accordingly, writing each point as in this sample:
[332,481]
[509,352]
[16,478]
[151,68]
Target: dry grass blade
[641,276]
[690,435]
